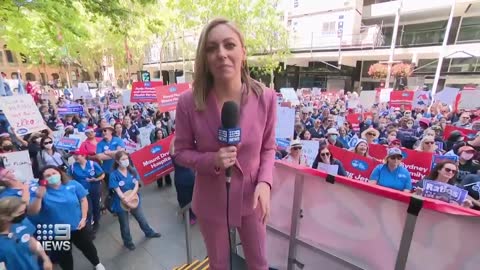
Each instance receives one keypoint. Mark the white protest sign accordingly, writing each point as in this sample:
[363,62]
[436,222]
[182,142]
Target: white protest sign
[20,163]
[126,97]
[130,147]
[310,150]
[82,90]
[22,114]
[367,98]
[144,136]
[289,94]
[285,122]
[469,100]
[385,95]
[447,95]
[328,168]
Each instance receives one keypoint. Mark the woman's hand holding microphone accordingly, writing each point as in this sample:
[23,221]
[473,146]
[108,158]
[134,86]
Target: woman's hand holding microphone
[226,157]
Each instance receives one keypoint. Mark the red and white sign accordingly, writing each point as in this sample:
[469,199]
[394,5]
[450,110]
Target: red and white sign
[399,98]
[167,95]
[144,91]
[153,161]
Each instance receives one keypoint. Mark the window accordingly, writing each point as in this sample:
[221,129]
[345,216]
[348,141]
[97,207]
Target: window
[9,55]
[328,28]
[24,58]
[470,29]
[464,65]
[423,33]
[430,66]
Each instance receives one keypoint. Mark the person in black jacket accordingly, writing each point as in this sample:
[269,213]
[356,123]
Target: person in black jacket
[325,156]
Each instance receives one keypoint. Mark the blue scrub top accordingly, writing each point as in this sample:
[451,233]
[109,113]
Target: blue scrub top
[113,145]
[62,205]
[92,169]
[398,179]
[26,223]
[117,179]
[15,251]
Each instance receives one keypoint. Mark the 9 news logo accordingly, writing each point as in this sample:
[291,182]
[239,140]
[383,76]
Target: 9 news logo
[54,237]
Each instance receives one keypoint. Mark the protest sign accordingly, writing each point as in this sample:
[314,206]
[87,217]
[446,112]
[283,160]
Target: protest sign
[126,97]
[282,144]
[401,98]
[144,91]
[421,99]
[130,146]
[82,91]
[443,192]
[70,109]
[328,168]
[22,114]
[357,167]
[468,100]
[384,94]
[289,94]
[310,150]
[447,95]
[439,158]
[20,163]
[354,119]
[167,96]
[367,98]
[153,161]
[416,162]
[285,122]
[67,144]
[144,136]
[469,133]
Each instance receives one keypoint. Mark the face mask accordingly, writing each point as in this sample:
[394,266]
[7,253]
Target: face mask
[124,163]
[19,219]
[54,179]
[333,137]
[47,116]
[466,156]
[159,125]
[368,122]
[49,146]
[409,125]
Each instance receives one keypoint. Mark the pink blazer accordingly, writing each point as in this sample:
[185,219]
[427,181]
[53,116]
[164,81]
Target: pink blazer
[196,144]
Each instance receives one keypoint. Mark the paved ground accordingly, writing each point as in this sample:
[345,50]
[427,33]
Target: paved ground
[160,207]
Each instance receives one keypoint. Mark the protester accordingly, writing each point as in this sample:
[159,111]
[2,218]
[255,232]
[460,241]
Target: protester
[295,154]
[325,156]
[361,148]
[64,202]
[124,181]
[18,249]
[49,155]
[392,174]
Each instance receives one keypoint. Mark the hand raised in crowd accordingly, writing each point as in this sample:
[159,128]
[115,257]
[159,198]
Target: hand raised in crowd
[226,157]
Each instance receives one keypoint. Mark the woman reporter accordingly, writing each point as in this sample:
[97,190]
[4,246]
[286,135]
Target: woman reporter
[221,75]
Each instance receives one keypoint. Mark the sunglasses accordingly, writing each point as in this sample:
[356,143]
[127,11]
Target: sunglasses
[370,134]
[448,170]
[428,142]
[396,157]
[47,143]
[327,154]
[296,148]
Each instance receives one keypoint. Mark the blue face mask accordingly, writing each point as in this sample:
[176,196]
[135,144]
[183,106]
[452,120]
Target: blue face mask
[368,122]
[54,179]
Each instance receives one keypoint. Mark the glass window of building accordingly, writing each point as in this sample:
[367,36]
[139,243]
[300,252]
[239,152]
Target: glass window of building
[464,65]
[469,30]
[429,66]
[10,57]
[430,33]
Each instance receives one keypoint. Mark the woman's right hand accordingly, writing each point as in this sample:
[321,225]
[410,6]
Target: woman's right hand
[226,157]
[40,192]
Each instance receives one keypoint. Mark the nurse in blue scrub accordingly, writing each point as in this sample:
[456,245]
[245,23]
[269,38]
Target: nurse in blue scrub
[108,147]
[89,174]
[392,174]
[65,202]
[124,181]
[18,249]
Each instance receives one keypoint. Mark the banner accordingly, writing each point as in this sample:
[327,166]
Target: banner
[399,98]
[443,192]
[67,144]
[416,162]
[469,133]
[153,161]
[70,109]
[20,163]
[22,114]
[167,96]
[363,224]
[130,146]
[357,166]
[145,91]
[82,91]
[421,99]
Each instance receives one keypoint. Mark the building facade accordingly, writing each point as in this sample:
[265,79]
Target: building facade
[333,43]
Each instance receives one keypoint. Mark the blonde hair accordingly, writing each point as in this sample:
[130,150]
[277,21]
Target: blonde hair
[8,206]
[203,79]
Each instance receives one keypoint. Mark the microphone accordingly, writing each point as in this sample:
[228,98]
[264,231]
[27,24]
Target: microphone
[229,133]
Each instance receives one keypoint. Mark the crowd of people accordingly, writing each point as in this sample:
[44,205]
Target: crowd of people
[77,187]
[324,118]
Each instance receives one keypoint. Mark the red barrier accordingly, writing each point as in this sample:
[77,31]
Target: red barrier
[362,224]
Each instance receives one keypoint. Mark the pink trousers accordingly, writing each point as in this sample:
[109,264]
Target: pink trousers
[252,234]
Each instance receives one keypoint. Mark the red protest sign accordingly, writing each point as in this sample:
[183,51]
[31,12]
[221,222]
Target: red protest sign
[167,95]
[357,166]
[469,133]
[417,163]
[354,119]
[399,98]
[144,91]
[153,161]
